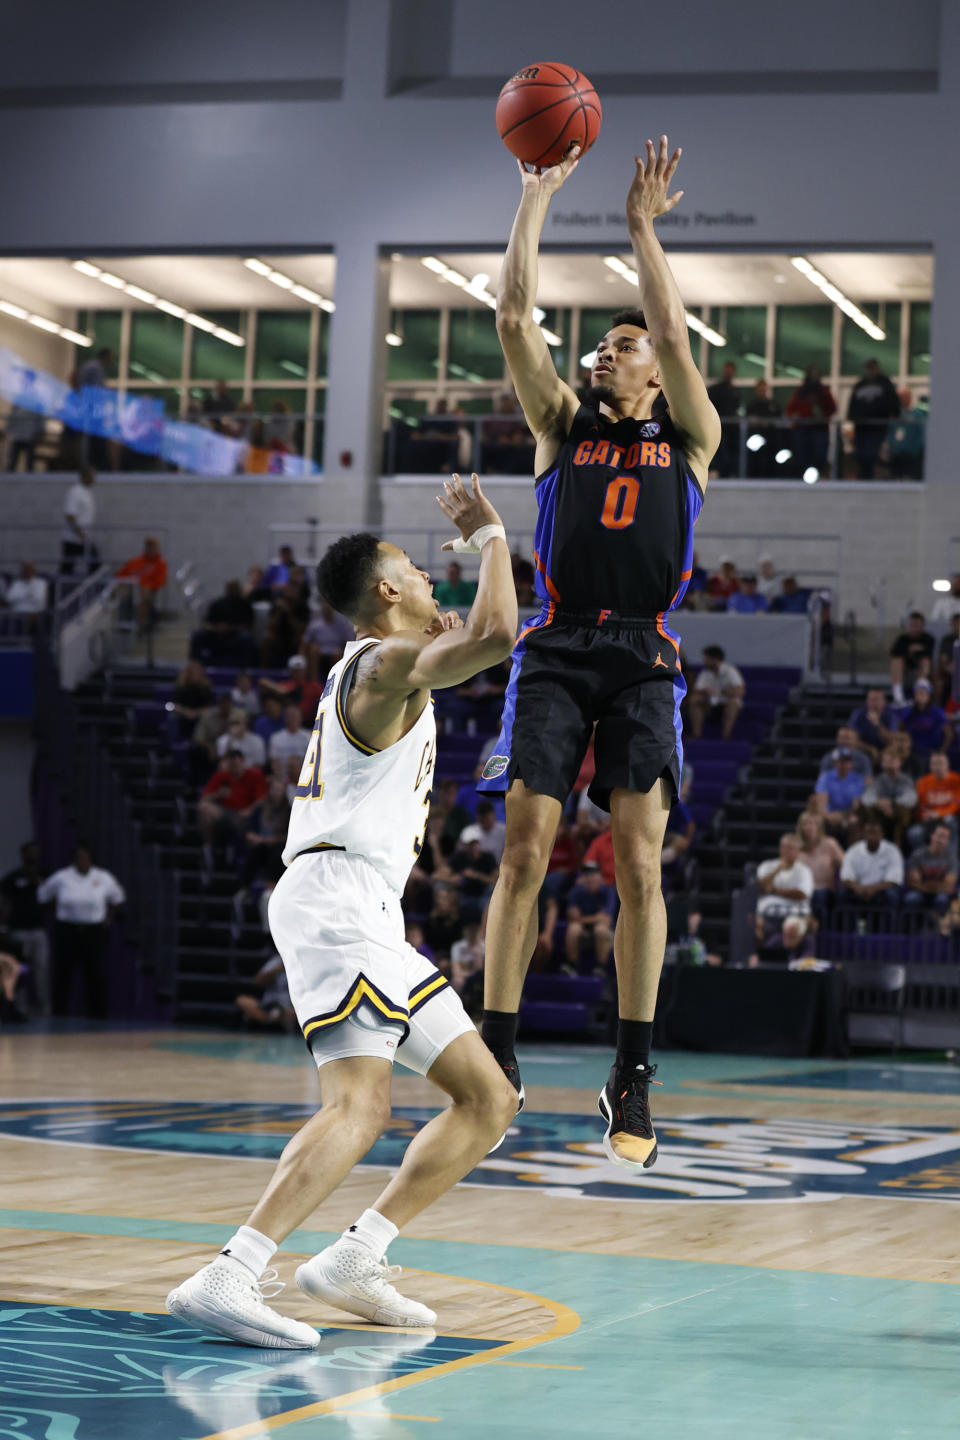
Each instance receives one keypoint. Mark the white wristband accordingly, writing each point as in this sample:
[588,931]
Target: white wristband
[475,542]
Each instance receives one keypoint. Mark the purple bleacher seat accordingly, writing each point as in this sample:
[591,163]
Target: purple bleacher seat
[568,989]
[553,1016]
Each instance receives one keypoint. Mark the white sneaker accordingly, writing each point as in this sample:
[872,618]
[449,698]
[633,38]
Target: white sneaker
[225,1298]
[348,1275]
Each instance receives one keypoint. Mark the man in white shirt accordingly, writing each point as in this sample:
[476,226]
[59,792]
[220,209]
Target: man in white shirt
[238,737]
[768,581]
[28,594]
[946,606]
[786,887]
[292,740]
[79,513]
[719,690]
[85,898]
[872,870]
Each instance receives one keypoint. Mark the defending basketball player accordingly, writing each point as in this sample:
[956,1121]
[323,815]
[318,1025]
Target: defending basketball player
[618,492]
[360,992]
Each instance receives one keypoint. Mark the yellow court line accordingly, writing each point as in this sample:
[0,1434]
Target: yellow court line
[536,1365]
[388,1415]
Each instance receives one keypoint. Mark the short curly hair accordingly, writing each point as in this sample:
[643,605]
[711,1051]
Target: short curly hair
[347,570]
[629,317]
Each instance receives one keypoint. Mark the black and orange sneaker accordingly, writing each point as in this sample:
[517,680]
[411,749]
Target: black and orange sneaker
[625,1105]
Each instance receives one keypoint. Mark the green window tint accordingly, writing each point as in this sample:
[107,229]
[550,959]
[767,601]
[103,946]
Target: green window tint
[104,326]
[156,346]
[319,427]
[283,345]
[475,353]
[804,337]
[281,416]
[418,358]
[475,404]
[168,394]
[920,338]
[594,324]
[856,347]
[558,322]
[745,329]
[402,407]
[323,345]
[214,359]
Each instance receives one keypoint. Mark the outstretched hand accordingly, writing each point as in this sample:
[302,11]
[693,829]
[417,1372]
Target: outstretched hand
[467,511]
[548,181]
[648,196]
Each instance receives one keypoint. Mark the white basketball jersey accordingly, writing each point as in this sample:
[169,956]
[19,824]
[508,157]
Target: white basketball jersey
[369,802]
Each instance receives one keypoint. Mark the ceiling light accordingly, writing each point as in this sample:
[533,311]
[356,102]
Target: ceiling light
[200,322]
[302,293]
[277,278]
[479,282]
[627,272]
[86,268]
[284,282]
[432,263]
[17,311]
[782,456]
[811,475]
[137,293]
[42,323]
[588,361]
[393,338]
[257,266]
[75,337]
[7,307]
[226,335]
[113,280]
[170,309]
[551,337]
[755,442]
[801,263]
[942,586]
[147,297]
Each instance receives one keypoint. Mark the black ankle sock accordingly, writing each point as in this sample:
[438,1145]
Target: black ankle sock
[634,1038]
[498,1030]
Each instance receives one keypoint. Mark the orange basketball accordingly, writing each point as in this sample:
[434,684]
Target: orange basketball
[544,109]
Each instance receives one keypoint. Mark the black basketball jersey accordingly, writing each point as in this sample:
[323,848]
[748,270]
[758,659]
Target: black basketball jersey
[616,517]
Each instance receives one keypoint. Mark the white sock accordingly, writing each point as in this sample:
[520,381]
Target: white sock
[251,1249]
[374,1231]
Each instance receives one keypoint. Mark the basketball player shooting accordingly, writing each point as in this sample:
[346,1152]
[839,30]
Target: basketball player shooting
[360,992]
[618,492]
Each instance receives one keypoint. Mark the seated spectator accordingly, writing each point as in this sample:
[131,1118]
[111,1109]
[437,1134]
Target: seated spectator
[413,934]
[244,696]
[25,918]
[590,909]
[27,595]
[696,597]
[747,600]
[270,719]
[911,656]
[792,940]
[454,593]
[792,600]
[785,886]
[491,832]
[932,873]
[149,569]
[872,870]
[822,855]
[448,820]
[938,800]
[324,641]
[524,582]
[292,776]
[891,796]
[289,690]
[226,803]
[290,742]
[945,607]
[443,926]
[254,588]
[466,957]
[192,694]
[848,739]
[283,634]
[590,820]
[479,702]
[874,721]
[600,852]
[768,581]
[944,679]
[277,572]
[474,872]
[723,584]
[226,636]
[218,402]
[838,793]
[907,439]
[202,754]
[12,969]
[719,691]
[562,865]
[238,737]
[926,723]
[272,1009]
[678,837]
[266,835]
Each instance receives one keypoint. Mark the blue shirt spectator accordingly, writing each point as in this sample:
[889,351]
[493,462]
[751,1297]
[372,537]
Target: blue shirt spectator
[791,600]
[589,896]
[277,572]
[874,721]
[270,719]
[842,785]
[926,723]
[748,600]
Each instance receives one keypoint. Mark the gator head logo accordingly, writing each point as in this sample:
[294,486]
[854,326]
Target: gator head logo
[650,429]
[495,767]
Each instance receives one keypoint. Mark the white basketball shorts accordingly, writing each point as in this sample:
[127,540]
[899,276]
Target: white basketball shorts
[356,985]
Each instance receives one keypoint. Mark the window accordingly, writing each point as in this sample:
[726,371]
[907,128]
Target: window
[156,346]
[214,359]
[745,327]
[283,345]
[475,353]
[104,326]
[418,358]
[559,322]
[804,337]
[856,347]
[169,395]
[919,338]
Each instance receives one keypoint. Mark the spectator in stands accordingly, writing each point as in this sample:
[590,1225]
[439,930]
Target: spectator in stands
[678,838]
[524,582]
[149,569]
[838,793]
[443,926]
[932,873]
[226,636]
[85,898]
[192,694]
[792,600]
[891,796]
[873,404]
[79,514]
[906,439]
[289,690]
[473,871]
[590,820]
[747,600]
[96,449]
[244,696]
[12,970]
[848,739]
[948,605]
[590,907]
[238,736]
[218,402]
[810,408]
[695,597]
[911,656]
[24,430]
[719,691]
[283,634]
[563,862]
[213,723]
[822,856]
[938,793]
[600,852]
[270,719]
[324,641]
[280,429]
[466,957]
[255,588]
[298,588]
[946,652]
[479,702]
[872,870]
[226,803]
[874,722]
[926,723]
[277,572]
[454,592]
[910,764]
[290,742]
[786,889]
[448,820]
[723,584]
[491,831]
[266,835]
[725,398]
[793,940]
[764,419]
[27,595]
[272,1009]
[768,581]
[26,921]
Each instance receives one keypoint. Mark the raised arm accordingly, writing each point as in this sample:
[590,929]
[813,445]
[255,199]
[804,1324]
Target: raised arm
[548,404]
[690,407]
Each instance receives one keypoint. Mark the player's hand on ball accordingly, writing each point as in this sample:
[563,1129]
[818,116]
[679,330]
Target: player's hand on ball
[446,620]
[548,181]
[468,510]
[648,196]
